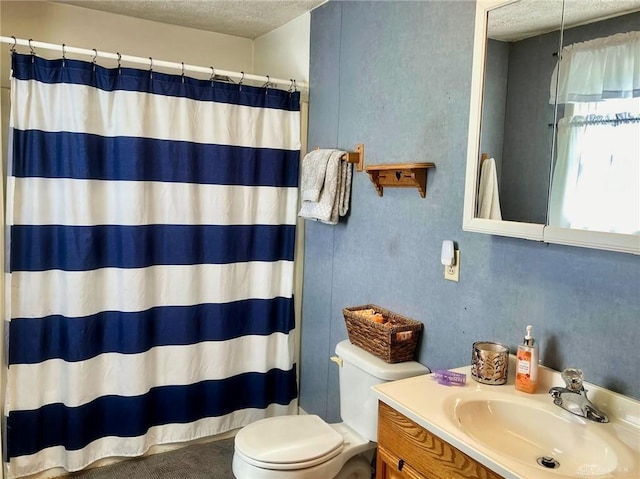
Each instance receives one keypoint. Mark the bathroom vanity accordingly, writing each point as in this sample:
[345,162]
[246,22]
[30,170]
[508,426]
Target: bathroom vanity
[433,431]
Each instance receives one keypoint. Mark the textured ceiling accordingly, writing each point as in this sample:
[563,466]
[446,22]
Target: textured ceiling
[253,18]
[528,18]
[240,18]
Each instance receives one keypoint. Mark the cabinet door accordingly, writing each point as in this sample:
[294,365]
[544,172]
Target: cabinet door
[390,466]
[424,452]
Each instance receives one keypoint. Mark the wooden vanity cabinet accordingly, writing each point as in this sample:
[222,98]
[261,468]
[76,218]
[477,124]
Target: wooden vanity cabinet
[408,451]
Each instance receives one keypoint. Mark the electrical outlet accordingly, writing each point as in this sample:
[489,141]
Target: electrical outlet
[452,273]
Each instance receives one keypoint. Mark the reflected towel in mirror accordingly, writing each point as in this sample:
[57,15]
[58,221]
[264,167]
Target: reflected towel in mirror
[488,196]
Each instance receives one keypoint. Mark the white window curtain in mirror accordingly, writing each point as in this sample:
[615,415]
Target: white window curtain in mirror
[152,232]
[598,69]
[596,175]
[596,179]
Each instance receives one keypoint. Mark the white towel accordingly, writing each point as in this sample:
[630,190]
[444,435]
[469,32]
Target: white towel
[333,199]
[488,196]
[314,167]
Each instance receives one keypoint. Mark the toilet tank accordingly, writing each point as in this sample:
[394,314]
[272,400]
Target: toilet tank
[360,371]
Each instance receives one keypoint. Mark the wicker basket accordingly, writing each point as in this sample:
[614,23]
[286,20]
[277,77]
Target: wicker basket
[393,343]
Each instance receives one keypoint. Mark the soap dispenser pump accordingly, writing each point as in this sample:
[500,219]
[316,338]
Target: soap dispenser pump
[527,364]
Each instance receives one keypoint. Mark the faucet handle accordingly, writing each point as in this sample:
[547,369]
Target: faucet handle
[573,379]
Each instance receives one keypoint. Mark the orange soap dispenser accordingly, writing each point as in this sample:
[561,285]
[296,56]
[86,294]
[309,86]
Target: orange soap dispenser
[527,364]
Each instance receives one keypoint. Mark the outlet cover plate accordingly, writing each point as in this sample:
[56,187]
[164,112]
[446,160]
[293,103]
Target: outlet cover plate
[452,273]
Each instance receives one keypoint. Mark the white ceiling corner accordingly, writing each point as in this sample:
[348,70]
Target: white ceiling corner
[241,18]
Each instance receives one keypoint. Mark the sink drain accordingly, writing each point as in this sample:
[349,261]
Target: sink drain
[548,462]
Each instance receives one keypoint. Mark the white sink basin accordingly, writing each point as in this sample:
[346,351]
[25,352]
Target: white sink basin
[528,431]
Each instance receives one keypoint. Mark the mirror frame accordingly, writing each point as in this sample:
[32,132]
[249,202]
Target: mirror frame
[531,231]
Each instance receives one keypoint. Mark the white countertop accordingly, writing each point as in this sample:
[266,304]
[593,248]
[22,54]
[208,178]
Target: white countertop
[431,405]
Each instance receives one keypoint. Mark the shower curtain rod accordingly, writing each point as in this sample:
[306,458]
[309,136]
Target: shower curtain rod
[152,62]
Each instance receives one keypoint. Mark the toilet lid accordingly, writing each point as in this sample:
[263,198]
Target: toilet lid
[287,442]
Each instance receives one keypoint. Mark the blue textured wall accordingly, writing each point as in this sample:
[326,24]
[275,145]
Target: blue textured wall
[396,77]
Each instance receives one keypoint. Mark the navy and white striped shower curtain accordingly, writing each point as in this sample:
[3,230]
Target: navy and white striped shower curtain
[150,284]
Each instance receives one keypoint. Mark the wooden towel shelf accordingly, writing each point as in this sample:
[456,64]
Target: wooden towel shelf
[400,175]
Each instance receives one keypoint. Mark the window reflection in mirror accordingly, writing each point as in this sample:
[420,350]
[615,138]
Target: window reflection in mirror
[595,182]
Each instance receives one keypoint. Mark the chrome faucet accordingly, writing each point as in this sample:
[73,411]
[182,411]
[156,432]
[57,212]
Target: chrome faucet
[573,397]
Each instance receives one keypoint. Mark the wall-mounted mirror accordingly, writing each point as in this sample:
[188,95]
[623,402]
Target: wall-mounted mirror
[529,138]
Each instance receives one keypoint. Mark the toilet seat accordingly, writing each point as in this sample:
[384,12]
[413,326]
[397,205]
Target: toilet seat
[288,442]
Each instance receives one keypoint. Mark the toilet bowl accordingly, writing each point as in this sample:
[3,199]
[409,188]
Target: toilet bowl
[305,446]
[310,449]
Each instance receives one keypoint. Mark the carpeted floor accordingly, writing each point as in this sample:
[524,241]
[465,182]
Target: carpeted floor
[199,461]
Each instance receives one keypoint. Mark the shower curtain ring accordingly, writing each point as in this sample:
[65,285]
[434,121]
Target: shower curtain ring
[13,47]
[240,82]
[95,57]
[213,74]
[33,52]
[64,58]
[119,57]
[182,72]
[150,68]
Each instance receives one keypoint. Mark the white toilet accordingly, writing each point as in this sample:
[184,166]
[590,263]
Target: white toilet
[306,447]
